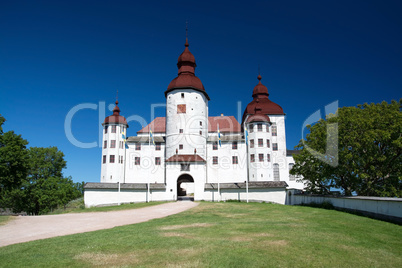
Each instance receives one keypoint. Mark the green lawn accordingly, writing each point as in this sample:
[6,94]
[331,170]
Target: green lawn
[225,235]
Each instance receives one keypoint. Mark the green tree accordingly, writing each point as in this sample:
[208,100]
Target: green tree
[13,162]
[41,189]
[68,190]
[369,148]
[31,180]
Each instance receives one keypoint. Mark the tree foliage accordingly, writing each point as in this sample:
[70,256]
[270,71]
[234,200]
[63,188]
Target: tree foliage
[369,148]
[13,161]
[31,180]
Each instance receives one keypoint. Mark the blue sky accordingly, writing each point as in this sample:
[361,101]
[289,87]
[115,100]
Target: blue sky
[55,55]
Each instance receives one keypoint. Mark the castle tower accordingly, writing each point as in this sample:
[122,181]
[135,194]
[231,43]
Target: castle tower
[113,147]
[186,110]
[265,122]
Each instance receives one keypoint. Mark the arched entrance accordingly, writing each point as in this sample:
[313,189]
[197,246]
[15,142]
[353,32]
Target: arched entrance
[185,187]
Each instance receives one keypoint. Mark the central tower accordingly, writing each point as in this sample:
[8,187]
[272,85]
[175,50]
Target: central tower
[186,110]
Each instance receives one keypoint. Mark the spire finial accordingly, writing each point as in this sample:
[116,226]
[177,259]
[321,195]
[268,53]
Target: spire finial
[186,44]
[117,97]
[259,74]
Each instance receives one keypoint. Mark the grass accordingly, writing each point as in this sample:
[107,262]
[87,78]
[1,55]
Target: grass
[5,219]
[225,235]
[77,206]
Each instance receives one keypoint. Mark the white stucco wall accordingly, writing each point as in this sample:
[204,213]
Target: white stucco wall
[376,205]
[147,171]
[112,172]
[103,197]
[194,120]
[225,170]
[272,195]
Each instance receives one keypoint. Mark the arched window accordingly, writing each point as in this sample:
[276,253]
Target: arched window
[291,177]
[276,172]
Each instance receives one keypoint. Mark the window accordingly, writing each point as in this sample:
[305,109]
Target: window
[181,108]
[158,146]
[181,130]
[106,129]
[121,144]
[215,146]
[111,159]
[259,127]
[235,161]
[252,158]
[137,160]
[105,144]
[104,159]
[182,95]
[113,144]
[180,146]
[291,177]
[251,143]
[157,161]
[113,129]
[138,146]
[261,157]
[120,159]
[260,142]
[267,128]
[274,131]
[268,145]
[275,146]
[185,167]
[200,132]
[251,128]
[214,160]
[276,172]
[200,123]
[268,157]
[234,145]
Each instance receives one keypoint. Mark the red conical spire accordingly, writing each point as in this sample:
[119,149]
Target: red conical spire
[261,104]
[186,78]
[116,117]
[260,91]
[186,61]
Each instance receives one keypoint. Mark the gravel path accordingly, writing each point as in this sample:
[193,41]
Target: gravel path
[28,228]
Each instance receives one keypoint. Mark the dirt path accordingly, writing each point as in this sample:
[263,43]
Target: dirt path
[28,228]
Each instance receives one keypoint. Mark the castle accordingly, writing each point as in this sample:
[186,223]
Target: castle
[189,153]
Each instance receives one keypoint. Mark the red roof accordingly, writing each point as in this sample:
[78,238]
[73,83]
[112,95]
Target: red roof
[158,125]
[261,103]
[186,76]
[116,117]
[258,118]
[226,124]
[186,158]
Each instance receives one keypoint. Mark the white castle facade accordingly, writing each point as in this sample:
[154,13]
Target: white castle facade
[189,153]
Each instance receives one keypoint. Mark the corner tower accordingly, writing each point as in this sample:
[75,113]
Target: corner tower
[113,148]
[265,121]
[186,110]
